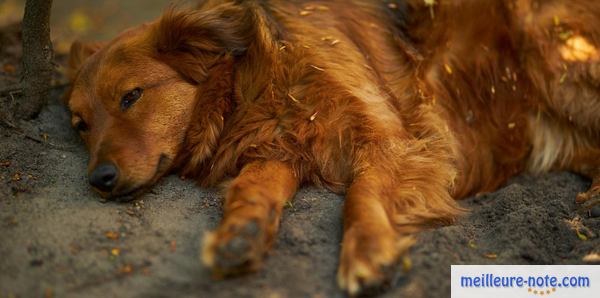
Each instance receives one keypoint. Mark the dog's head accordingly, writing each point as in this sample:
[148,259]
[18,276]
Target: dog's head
[135,99]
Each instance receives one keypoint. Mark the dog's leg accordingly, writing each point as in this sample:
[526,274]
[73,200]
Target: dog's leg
[383,209]
[253,204]
[371,246]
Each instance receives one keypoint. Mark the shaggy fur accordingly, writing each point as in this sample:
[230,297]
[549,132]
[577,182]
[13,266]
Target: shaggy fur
[403,106]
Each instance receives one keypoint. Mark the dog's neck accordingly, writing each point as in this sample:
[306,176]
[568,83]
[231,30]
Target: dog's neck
[231,82]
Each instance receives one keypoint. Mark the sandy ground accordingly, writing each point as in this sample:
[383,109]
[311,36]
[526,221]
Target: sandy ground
[56,235]
[58,240]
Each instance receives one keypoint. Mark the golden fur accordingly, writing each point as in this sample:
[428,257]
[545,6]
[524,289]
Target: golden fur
[403,107]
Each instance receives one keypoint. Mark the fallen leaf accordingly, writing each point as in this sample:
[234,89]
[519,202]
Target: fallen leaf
[16,177]
[579,49]
[583,232]
[126,269]
[406,264]
[111,235]
[491,255]
[173,245]
[448,68]
[9,68]
[582,236]
[79,22]
[556,20]
[472,244]
[48,293]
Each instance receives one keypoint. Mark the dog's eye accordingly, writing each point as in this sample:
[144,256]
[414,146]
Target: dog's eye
[81,126]
[130,98]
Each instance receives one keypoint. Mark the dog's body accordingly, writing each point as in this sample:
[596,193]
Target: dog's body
[403,107]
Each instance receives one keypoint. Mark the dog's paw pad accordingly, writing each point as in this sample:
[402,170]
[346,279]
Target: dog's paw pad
[368,261]
[364,279]
[234,249]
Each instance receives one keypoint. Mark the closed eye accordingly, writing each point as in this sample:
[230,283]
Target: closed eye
[130,98]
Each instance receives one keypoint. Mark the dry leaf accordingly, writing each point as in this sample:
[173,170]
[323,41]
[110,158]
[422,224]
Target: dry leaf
[491,255]
[406,264]
[79,22]
[448,68]
[579,49]
[127,269]
[472,244]
[111,235]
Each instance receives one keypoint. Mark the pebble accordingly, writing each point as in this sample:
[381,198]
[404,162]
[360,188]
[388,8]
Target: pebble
[595,211]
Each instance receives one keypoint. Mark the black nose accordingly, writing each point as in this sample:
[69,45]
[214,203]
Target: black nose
[104,177]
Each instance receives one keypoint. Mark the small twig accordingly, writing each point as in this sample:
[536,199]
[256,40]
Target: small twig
[10,89]
[36,139]
[8,123]
[16,88]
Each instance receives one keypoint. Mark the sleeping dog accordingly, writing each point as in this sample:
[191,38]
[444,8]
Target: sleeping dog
[402,106]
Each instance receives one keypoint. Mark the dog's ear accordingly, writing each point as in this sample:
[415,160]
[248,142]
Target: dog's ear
[192,41]
[79,53]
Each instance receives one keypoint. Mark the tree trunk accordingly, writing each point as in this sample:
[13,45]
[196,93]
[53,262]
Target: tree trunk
[37,58]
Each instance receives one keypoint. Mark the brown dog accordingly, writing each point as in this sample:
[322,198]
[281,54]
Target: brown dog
[402,106]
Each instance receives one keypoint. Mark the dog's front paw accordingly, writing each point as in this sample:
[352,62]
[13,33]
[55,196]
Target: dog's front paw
[368,259]
[235,248]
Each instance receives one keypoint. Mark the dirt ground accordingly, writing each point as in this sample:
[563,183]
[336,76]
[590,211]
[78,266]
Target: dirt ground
[57,239]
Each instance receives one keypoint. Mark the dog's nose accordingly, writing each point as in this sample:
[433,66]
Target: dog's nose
[104,177]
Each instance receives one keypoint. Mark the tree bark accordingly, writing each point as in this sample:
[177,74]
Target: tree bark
[37,58]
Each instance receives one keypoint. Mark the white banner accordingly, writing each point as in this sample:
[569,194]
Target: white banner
[526,281]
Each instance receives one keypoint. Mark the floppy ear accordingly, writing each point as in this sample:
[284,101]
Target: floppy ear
[79,53]
[192,41]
